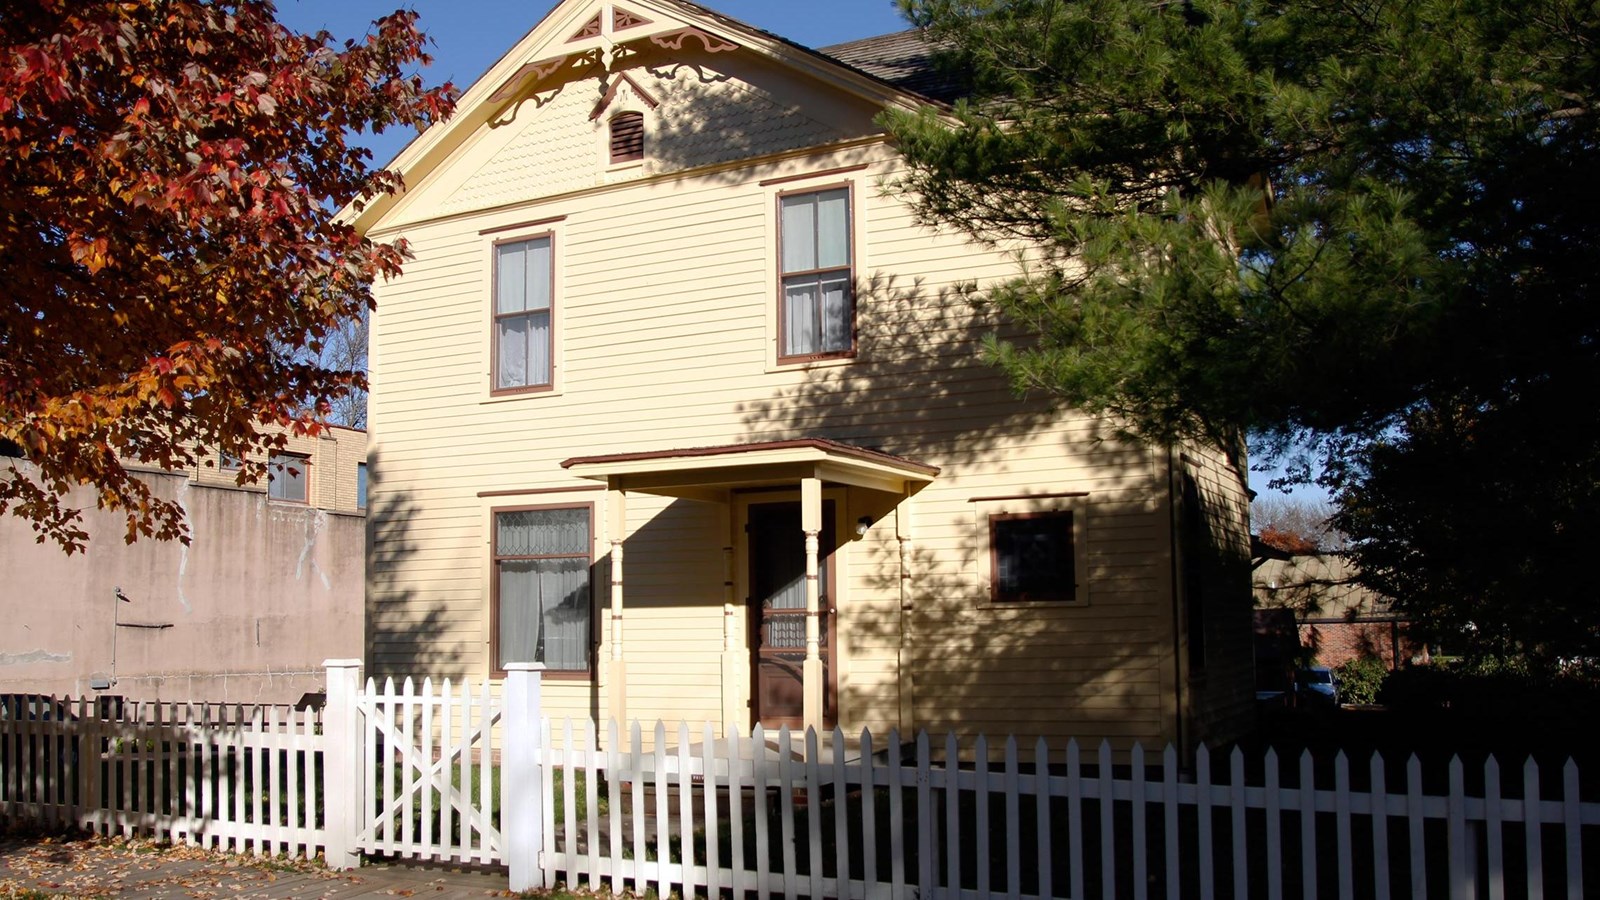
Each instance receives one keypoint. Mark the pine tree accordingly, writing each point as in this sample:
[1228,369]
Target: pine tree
[1323,224]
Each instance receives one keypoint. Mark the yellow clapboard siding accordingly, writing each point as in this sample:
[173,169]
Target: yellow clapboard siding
[665,302]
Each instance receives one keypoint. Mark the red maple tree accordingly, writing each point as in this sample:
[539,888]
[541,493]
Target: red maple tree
[170,176]
[1287,541]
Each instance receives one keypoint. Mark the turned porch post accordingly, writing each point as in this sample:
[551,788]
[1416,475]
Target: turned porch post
[811,673]
[732,675]
[906,656]
[616,668]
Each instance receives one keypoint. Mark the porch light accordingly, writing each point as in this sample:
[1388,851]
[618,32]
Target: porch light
[862,524]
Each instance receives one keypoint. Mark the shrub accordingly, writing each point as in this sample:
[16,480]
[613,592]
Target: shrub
[1361,679]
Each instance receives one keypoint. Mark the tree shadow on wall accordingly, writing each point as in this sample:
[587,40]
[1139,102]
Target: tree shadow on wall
[920,388]
[708,116]
[412,628]
[918,385]
[1036,669]
[407,633]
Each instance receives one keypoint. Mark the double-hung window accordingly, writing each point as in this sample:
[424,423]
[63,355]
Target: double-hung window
[543,611]
[816,304]
[523,339]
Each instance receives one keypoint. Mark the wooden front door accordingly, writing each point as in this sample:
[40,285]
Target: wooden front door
[778,611]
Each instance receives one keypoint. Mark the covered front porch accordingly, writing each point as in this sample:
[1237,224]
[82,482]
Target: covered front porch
[785,512]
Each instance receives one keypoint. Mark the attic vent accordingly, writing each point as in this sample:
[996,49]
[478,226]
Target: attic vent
[590,29]
[621,19]
[627,137]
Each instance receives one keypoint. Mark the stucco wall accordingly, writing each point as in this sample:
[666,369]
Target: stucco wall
[246,613]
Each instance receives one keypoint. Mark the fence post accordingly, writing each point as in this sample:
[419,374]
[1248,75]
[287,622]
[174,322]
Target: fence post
[341,762]
[522,777]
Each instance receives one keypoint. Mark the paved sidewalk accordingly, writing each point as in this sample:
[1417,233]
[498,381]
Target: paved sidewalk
[145,870]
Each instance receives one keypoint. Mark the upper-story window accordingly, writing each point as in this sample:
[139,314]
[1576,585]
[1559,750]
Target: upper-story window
[816,306]
[627,137]
[523,339]
[288,474]
[361,485]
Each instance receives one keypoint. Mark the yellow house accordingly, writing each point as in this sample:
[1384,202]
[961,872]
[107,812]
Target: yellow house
[677,400]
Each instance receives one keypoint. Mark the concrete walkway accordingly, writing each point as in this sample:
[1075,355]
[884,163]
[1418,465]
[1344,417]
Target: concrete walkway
[101,867]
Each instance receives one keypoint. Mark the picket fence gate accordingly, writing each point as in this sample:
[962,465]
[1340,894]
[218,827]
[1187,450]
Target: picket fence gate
[427,772]
[464,774]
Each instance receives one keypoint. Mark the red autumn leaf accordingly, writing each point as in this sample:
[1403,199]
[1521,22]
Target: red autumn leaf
[171,172]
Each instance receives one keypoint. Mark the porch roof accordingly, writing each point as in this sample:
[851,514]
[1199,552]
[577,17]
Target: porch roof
[712,473]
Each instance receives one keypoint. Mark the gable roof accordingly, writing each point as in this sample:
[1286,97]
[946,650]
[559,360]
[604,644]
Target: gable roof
[887,72]
[901,59]
[904,59]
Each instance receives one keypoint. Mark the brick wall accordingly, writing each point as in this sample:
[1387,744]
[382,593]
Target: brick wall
[1339,641]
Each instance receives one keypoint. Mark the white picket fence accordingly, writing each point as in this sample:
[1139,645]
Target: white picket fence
[463,773]
[916,819]
[240,778]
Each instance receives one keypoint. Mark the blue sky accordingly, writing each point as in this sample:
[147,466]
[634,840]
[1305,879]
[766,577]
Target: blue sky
[470,35]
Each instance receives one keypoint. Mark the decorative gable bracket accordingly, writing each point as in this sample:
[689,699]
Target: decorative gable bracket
[534,74]
[617,18]
[596,43]
[674,40]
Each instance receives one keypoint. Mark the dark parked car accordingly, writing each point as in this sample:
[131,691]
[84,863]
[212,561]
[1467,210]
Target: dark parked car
[1316,686]
[37,707]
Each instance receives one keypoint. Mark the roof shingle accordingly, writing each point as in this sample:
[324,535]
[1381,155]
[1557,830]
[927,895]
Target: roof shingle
[903,59]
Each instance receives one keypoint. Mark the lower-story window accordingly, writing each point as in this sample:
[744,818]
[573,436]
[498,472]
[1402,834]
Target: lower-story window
[1034,557]
[543,608]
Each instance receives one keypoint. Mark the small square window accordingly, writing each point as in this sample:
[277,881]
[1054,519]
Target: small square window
[288,474]
[1033,557]
[227,462]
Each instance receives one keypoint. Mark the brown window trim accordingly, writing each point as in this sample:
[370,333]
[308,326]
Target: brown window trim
[524,492]
[519,226]
[496,669]
[1060,495]
[785,360]
[995,596]
[825,173]
[494,319]
[306,472]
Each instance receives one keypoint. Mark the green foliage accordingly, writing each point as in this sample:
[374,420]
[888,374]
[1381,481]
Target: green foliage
[1360,680]
[1494,688]
[1368,229]
[1482,521]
